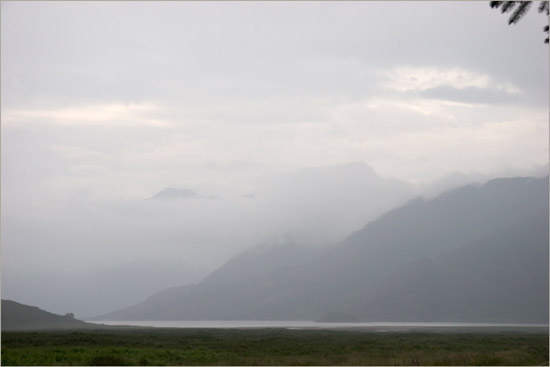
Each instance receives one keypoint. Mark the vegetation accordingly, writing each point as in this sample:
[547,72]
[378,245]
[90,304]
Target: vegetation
[520,11]
[271,347]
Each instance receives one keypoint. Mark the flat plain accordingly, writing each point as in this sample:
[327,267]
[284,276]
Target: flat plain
[171,346]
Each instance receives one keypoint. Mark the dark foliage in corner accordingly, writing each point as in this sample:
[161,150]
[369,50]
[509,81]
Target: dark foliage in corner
[521,9]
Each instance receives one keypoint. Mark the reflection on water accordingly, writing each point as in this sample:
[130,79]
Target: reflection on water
[378,326]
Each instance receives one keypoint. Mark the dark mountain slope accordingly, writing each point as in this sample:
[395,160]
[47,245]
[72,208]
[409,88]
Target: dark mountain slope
[419,230]
[252,285]
[500,278]
[456,246]
[16,316]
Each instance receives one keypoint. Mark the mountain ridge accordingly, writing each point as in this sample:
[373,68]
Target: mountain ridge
[387,253]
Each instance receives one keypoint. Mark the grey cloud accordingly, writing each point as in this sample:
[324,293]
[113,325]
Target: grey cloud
[473,95]
[181,50]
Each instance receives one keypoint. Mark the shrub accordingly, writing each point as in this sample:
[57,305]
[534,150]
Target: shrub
[108,360]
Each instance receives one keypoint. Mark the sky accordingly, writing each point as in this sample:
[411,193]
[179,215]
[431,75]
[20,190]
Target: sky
[104,104]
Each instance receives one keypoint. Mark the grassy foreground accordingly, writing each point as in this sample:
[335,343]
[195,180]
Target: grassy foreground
[271,347]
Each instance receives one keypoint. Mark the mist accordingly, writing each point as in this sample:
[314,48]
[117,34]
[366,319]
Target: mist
[143,245]
[290,123]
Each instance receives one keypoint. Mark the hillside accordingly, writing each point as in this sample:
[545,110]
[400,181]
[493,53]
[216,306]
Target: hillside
[455,227]
[478,253]
[19,317]
[501,278]
[236,291]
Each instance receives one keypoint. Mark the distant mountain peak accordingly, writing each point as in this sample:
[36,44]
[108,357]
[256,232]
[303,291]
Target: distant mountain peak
[171,193]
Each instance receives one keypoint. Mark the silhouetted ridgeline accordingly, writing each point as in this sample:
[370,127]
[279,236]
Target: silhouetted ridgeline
[474,254]
[18,317]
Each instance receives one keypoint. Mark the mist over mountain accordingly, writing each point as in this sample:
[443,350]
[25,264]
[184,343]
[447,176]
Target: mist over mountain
[477,253]
[135,161]
[325,204]
[89,292]
[121,251]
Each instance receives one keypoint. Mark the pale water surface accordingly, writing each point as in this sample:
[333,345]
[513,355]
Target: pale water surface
[378,326]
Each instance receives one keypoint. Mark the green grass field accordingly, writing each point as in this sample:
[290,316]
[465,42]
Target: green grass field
[271,347]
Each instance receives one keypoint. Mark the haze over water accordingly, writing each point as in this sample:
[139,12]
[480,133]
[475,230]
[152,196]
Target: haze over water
[380,326]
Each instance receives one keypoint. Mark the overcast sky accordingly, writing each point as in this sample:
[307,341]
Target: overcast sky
[107,103]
